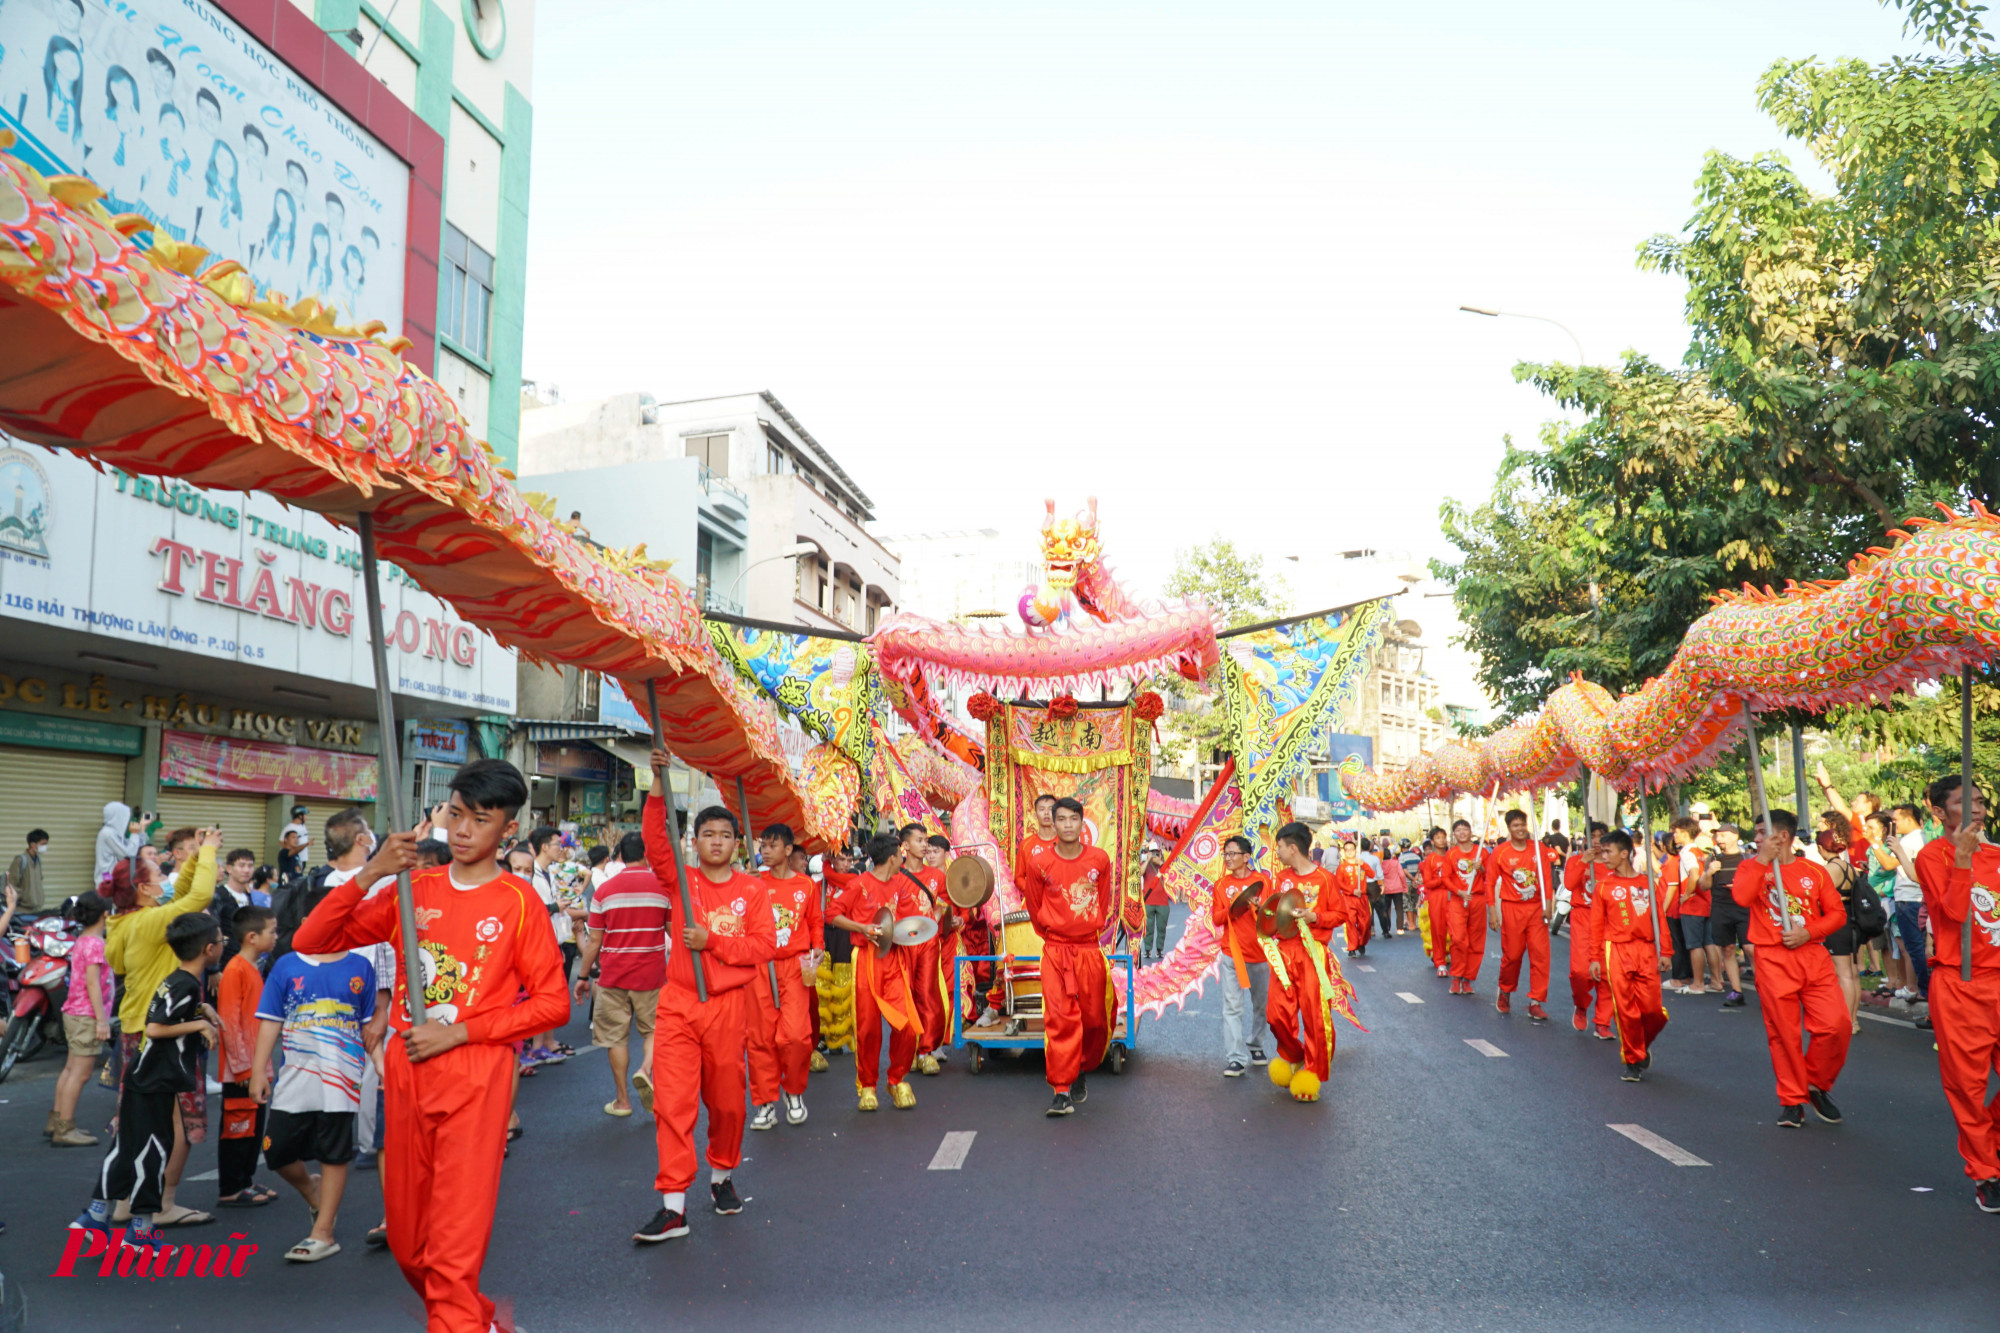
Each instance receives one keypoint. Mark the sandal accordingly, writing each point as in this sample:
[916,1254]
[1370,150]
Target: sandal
[514,1132]
[613,1108]
[253,1196]
[378,1236]
[187,1217]
[311,1250]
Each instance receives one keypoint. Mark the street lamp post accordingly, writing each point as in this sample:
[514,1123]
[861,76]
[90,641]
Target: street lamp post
[1515,314]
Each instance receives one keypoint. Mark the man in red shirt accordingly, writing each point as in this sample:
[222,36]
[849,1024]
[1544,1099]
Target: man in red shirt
[1580,876]
[1245,974]
[1692,902]
[1350,879]
[1070,896]
[1158,905]
[492,975]
[1465,906]
[926,883]
[1300,1016]
[1795,980]
[1517,876]
[626,938]
[881,982]
[1436,895]
[780,1039]
[1960,875]
[1628,954]
[1037,844]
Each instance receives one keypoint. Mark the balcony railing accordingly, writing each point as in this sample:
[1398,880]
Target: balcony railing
[715,481]
[711,600]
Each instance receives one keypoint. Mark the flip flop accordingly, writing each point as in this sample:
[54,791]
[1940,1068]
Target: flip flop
[312,1250]
[514,1132]
[642,1083]
[378,1236]
[613,1108]
[189,1217]
[255,1196]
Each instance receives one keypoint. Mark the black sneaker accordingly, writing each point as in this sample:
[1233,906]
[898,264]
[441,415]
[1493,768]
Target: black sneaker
[1646,1062]
[1234,1069]
[663,1225]
[1078,1093]
[1733,1000]
[1257,1056]
[1823,1106]
[1987,1195]
[724,1194]
[1632,1073]
[1062,1105]
[1791,1117]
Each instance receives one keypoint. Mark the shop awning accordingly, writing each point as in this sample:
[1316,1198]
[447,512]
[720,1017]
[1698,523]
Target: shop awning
[570,731]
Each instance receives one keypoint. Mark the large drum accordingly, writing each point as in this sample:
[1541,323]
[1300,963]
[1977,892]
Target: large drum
[1019,939]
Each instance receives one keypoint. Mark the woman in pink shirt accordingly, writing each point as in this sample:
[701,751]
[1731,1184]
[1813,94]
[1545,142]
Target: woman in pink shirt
[86,1020]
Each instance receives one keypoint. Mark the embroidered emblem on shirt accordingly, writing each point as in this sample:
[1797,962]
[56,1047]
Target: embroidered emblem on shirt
[488,930]
[427,917]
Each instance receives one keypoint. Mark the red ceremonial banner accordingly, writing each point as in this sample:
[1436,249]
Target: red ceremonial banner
[220,764]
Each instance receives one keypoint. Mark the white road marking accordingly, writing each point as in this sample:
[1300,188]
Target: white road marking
[1366,967]
[951,1153]
[1884,1018]
[1486,1048]
[206,1175]
[1652,1142]
[1408,998]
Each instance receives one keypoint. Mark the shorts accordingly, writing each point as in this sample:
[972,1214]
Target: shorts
[617,1012]
[80,1031]
[326,1137]
[1695,932]
[1726,930]
[1841,943]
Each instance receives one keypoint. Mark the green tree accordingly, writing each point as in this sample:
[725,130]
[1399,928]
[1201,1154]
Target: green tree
[1239,592]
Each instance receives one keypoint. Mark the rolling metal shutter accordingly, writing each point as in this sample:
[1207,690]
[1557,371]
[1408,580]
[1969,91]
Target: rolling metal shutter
[240,815]
[63,793]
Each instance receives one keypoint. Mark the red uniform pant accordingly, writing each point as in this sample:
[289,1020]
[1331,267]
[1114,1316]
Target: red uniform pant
[1360,921]
[1582,949]
[1796,988]
[1434,904]
[1296,1015]
[1467,927]
[926,994]
[698,1061]
[781,1035]
[884,978]
[1638,1007]
[1524,931]
[445,1134]
[1076,1010]
[1966,1017]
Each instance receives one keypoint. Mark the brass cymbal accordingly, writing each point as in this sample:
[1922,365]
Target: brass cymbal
[914,930]
[968,882]
[1280,916]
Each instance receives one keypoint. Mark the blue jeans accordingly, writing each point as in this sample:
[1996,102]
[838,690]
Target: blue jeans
[1912,936]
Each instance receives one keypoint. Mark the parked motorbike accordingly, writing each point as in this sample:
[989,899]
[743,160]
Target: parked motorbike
[36,972]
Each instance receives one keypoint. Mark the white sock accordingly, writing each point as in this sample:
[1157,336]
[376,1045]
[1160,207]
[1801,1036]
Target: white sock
[674,1203]
[718,1177]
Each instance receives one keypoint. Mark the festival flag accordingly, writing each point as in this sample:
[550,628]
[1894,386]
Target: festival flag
[829,685]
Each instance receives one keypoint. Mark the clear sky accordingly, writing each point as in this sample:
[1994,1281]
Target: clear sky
[1203,261]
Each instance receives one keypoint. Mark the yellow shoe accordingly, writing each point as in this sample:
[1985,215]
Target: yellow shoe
[901,1096]
[927,1064]
[817,1064]
[1280,1071]
[1305,1086]
[868,1102]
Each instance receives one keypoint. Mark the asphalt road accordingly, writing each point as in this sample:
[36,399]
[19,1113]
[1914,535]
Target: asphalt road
[1435,1187]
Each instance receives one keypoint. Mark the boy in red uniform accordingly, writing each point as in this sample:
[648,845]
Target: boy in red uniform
[1245,975]
[937,855]
[1437,893]
[1350,880]
[1795,979]
[1037,845]
[1517,874]
[1692,876]
[1628,954]
[1070,895]
[781,1032]
[699,1049]
[492,975]
[920,962]
[1960,875]
[1297,1010]
[1465,906]
[1580,876]
[881,984]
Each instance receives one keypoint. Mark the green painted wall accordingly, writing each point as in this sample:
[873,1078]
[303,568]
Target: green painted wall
[337,16]
[510,280]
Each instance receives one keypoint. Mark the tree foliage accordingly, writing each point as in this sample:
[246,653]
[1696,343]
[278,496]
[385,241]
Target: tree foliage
[1239,592]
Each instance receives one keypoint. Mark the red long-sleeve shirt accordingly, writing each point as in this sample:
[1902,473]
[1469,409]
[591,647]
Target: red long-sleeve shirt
[1621,911]
[1321,891]
[1464,867]
[736,913]
[1350,878]
[795,914]
[1581,877]
[1813,899]
[1433,873]
[1949,891]
[1517,874]
[481,948]
[1070,900]
[1244,925]
[862,897]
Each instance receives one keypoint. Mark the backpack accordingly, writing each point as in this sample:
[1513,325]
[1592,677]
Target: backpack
[1865,911]
[295,902]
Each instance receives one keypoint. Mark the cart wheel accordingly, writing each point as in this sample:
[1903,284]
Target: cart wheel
[1117,1059]
[975,1059]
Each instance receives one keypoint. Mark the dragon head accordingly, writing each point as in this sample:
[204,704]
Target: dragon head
[1069,545]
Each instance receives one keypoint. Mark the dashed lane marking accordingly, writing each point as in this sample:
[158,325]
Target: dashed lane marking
[1486,1048]
[1652,1142]
[1408,998]
[950,1155]
[1884,1018]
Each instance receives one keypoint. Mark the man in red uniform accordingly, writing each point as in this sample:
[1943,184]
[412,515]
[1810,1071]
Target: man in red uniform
[1465,906]
[1517,874]
[699,1048]
[1960,875]
[492,975]
[1795,979]
[920,962]
[1350,880]
[1580,876]
[1070,896]
[937,855]
[881,982]
[1037,844]
[1437,894]
[1245,975]
[1628,954]
[781,1040]
[1297,1012]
